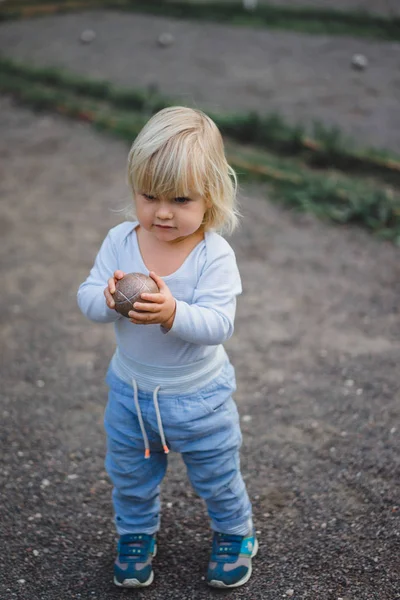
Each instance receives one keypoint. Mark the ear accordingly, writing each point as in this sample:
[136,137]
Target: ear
[208,203]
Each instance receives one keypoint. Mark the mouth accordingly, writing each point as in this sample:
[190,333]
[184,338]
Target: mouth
[164,226]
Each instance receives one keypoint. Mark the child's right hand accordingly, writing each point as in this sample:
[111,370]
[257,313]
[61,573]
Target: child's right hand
[110,289]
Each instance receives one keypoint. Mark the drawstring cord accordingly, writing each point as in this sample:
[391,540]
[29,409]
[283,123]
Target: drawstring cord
[141,423]
[159,422]
[139,414]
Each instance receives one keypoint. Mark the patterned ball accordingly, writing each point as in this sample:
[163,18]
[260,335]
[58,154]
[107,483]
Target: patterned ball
[128,291]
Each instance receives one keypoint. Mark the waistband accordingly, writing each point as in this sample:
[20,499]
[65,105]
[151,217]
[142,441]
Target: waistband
[174,379]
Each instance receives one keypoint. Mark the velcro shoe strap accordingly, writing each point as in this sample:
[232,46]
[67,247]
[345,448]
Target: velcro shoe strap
[231,549]
[133,551]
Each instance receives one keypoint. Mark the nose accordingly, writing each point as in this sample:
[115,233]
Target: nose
[164,211]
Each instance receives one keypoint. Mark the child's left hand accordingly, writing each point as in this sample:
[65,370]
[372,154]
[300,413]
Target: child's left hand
[159,308]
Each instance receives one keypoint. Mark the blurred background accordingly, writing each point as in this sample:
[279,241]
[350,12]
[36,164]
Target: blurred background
[307,96]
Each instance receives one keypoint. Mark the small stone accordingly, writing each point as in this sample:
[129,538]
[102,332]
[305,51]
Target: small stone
[393,430]
[46,122]
[289,592]
[21,580]
[20,453]
[35,552]
[165,39]
[246,418]
[359,391]
[169,505]
[323,525]
[40,383]
[45,483]
[87,36]
[349,383]
[250,4]
[359,62]
[72,476]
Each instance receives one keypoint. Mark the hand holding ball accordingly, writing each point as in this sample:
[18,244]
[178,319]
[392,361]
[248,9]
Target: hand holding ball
[128,291]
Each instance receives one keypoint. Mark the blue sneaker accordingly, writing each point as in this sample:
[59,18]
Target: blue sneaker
[230,562]
[132,567]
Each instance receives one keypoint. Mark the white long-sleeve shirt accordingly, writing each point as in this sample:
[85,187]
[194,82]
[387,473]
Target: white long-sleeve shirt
[205,287]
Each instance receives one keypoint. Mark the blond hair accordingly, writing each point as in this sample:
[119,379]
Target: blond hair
[180,151]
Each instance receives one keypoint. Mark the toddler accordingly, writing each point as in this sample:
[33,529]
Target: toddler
[170,380]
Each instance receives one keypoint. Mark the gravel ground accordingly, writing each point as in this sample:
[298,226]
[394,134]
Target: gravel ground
[381,7]
[316,350]
[228,68]
[316,346]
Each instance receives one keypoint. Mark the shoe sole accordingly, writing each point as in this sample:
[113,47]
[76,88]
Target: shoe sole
[135,583]
[221,584]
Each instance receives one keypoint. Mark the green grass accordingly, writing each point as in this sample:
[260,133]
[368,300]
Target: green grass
[309,20]
[329,195]
[327,149]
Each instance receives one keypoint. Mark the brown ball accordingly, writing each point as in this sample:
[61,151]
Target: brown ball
[128,291]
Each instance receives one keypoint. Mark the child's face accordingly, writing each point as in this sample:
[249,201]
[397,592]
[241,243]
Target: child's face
[170,218]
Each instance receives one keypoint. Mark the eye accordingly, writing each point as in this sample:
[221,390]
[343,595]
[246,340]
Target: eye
[181,200]
[149,196]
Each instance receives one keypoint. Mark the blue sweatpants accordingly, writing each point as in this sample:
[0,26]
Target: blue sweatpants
[203,426]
